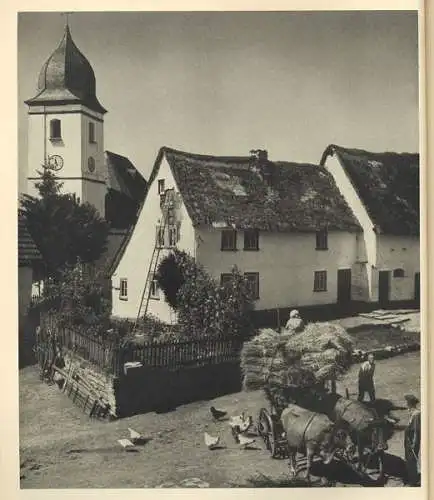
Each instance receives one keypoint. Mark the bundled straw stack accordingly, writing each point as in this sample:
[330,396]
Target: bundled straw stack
[300,360]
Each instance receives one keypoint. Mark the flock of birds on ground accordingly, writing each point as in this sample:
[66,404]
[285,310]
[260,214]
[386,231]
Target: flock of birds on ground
[240,426]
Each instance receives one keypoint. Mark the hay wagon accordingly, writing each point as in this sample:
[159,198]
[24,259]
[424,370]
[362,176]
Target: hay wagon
[295,369]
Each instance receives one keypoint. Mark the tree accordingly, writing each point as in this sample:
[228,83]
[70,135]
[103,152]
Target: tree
[63,229]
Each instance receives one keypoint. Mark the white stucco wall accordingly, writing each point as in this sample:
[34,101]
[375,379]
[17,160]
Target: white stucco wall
[399,252]
[285,262]
[74,148]
[367,244]
[25,276]
[136,259]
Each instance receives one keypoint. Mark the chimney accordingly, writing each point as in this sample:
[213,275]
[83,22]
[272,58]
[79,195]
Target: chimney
[261,166]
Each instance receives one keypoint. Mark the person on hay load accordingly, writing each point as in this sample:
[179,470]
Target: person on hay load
[295,323]
[366,378]
[412,441]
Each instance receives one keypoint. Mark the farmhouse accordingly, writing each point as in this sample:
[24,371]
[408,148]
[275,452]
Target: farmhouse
[284,225]
[382,190]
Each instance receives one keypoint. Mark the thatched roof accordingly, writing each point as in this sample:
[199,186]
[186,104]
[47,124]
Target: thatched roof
[27,250]
[388,185]
[266,195]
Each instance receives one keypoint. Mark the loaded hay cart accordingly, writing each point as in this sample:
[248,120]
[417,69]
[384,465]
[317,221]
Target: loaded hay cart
[302,368]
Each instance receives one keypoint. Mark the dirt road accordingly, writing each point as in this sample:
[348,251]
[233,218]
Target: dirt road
[62,448]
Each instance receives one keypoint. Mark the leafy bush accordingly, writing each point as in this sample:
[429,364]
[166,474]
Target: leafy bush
[203,306]
[77,300]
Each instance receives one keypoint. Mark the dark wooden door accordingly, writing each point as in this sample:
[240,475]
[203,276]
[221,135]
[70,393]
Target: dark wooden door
[417,288]
[344,286]
[384,288]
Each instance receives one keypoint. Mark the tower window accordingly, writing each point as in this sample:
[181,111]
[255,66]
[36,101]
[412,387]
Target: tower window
[55,130]
[91,164]
[161,186]
[92,133]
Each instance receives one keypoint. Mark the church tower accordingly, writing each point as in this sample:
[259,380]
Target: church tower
[66,126]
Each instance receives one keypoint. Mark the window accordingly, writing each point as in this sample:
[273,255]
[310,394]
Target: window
[55,130]
[92,132]
[229,239]
[91,164]
[398,273]
[253,284]
[225,279]
[322,240]
[251,239]
[154,290]
[161,186]
[123,289]
[320,281]
[173,236]
[160,236]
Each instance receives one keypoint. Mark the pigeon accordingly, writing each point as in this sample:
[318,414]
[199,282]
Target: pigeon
[126,443]
[217,414]
[245,441]
[246,424]
[211,441]
[236,421]
[136,437]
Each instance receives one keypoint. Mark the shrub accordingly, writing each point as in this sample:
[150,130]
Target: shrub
[77,300]
[204,306]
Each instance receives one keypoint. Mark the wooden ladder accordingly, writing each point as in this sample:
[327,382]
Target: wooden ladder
[153,264]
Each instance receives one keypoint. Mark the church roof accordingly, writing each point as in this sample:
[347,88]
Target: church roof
[123,176]
[67,77]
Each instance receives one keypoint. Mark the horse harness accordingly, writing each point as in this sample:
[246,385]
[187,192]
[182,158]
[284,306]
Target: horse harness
[307,427]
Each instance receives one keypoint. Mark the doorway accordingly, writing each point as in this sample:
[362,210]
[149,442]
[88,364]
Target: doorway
[417,288]
[344,286]
[384,288]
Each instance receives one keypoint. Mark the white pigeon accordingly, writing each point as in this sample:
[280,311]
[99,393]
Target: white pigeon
[211,441]
[236,421]
[126,443]
[134,435]
[246,424]
[245,441]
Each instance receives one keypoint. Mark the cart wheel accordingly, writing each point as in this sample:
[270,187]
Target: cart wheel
[266,429]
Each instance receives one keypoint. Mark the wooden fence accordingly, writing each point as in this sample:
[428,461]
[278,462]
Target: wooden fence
[184,353]
[171,355]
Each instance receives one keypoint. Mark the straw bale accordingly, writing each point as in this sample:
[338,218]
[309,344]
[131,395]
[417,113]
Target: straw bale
[317,337]
[298,360]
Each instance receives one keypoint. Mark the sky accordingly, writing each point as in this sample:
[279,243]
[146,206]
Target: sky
[224,83]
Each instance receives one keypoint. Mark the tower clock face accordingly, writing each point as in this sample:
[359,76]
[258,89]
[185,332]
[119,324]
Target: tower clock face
[55,162]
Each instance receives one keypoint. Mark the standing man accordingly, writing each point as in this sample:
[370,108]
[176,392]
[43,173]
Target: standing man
[366,378]
[412,441]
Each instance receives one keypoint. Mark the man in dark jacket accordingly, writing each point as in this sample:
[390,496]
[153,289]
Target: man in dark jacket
[366,378]
[412,441]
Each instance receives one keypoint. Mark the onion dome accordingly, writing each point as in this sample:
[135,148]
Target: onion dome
[67,78]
